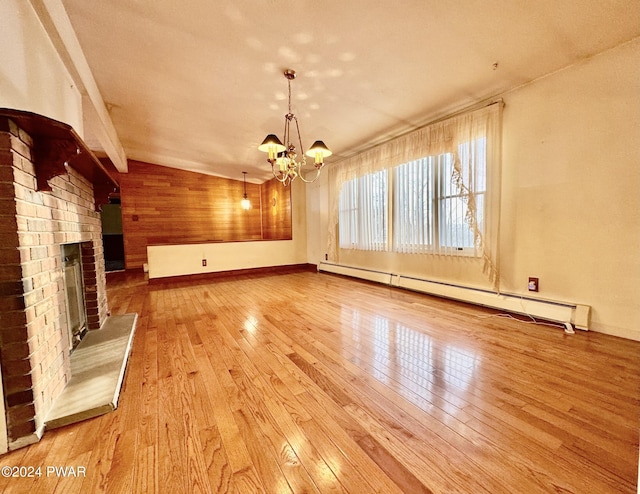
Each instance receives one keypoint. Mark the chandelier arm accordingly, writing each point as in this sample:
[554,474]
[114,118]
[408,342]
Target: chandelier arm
[281,180]
[313,179]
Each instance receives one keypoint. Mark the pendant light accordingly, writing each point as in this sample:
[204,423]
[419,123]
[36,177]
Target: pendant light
[246,204]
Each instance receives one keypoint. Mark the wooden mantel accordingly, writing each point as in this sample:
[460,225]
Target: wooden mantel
[57,145]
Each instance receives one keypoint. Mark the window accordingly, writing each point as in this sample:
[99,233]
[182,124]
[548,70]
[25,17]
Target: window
[455,230]
[444,180]
[431,201]
[363,212]
[413,206]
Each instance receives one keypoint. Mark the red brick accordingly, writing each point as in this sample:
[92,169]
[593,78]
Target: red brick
[21,430]
[31,268]
[36,333]
[7,189]
[43,212]
[5,140]
[93,322]
[12,319]
[28,239]
[9,239]
[15,351]
[25,255]
[21,414]
[19,147]
[13,128]
[14,384]
[11,303]
[50,264]
[32,298]
[21,223]
[11,288]
[7,206]
[38,253]
[23,178]
[46,238]
[25,209]
[24,164]
[90,281]
[6,170]
[27,285]
[10,271]
[19,398]
[16,367]
[91,294]
[25,137]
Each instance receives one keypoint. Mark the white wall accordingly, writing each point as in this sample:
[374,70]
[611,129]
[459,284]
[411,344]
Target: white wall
[570,195]
[32,75]
[317,217]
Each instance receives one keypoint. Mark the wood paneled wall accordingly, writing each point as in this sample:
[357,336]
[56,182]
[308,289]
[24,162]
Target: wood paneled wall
[276,211]
[163,205]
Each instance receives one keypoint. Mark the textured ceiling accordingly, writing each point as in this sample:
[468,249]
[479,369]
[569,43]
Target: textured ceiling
[197,84]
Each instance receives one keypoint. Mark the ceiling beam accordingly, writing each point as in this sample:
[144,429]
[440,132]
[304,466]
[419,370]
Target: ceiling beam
[56,22]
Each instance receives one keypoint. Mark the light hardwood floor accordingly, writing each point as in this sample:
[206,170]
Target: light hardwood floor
[307,382]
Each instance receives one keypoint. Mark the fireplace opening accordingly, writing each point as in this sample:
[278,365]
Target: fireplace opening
[112,237]
[74,293]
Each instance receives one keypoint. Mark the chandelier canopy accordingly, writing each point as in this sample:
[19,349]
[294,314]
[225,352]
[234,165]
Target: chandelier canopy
[282,157]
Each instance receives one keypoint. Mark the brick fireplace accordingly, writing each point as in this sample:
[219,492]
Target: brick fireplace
[45,206]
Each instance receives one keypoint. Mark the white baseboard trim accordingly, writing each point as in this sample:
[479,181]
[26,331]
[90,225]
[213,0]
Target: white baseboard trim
[576,314]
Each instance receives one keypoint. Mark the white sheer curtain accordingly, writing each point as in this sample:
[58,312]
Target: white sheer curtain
[471,191]
[348,214]
[363,212]
[413,206]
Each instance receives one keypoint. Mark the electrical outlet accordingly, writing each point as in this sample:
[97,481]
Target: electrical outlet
[534,284]
[204,262]
[326,257]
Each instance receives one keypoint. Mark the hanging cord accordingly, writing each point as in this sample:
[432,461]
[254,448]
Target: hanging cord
[532,320]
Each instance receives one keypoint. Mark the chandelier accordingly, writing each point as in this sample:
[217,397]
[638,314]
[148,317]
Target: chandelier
[283,158]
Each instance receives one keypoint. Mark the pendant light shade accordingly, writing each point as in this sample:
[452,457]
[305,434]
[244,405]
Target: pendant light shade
[271,145]
[319,151]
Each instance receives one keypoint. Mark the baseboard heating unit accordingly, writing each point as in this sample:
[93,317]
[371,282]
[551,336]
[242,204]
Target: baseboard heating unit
[563,312]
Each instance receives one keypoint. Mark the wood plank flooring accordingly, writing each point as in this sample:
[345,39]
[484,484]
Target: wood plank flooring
[312,383]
